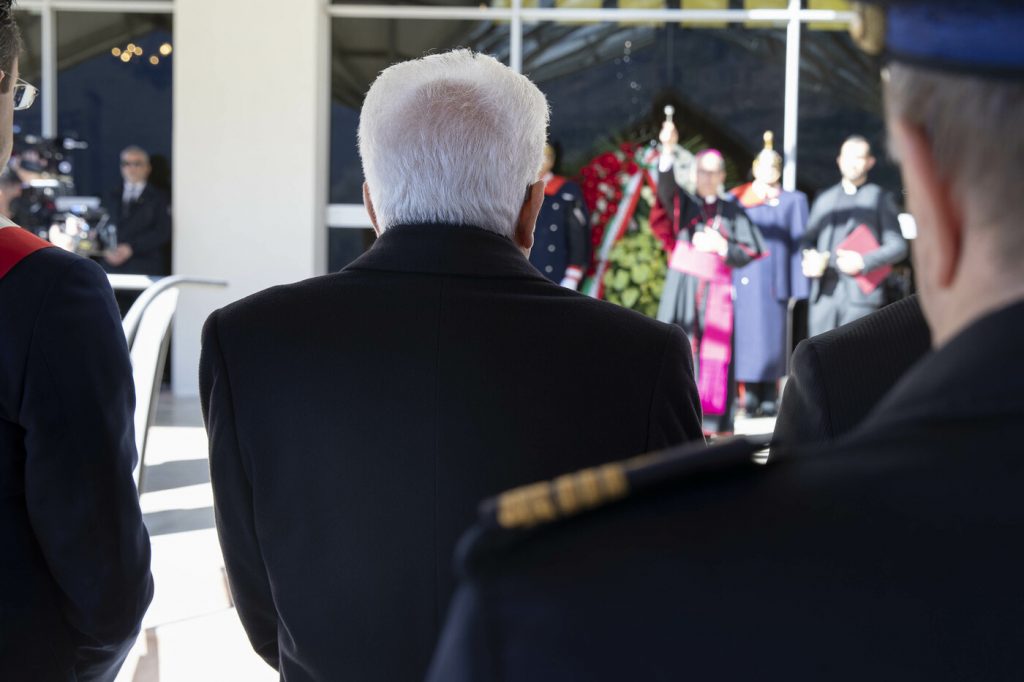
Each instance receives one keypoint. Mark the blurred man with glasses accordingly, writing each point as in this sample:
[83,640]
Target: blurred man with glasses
[140,212]
[74,563]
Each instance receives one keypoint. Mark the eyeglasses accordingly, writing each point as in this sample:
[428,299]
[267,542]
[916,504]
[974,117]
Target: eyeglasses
[133,164]
[24,95]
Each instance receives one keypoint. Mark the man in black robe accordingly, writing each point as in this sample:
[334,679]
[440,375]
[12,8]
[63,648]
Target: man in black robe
[841,290]
[705,236]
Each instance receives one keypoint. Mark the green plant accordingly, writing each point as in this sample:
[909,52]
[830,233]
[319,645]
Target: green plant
[636,270]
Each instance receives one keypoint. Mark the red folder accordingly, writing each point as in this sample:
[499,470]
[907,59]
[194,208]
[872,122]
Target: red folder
[863,242]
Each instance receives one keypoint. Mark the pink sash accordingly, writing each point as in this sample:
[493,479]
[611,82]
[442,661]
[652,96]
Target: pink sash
[715,351]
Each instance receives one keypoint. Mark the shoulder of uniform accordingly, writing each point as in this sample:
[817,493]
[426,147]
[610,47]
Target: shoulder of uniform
[15,245]
[517,513]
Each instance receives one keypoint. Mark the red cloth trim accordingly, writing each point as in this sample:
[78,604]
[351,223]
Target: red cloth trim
[746,195]
[630,210]
[553,185]
[15,245]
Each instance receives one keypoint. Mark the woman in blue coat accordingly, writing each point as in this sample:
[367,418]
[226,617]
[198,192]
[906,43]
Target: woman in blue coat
[764,287]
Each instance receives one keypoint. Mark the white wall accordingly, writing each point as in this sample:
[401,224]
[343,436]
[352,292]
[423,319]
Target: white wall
[250,153]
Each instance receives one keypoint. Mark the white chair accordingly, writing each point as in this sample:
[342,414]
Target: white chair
[147,328]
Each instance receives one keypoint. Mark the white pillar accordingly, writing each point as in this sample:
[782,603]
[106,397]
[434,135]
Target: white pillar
[49,71]
[515,50]
[792,97]
[251,89]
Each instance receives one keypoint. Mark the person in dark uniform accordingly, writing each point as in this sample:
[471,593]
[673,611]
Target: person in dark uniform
[890,554]
[561,242]
[838,377]
[74,568]
[765,286]
[142,216]
[853,232]
[706,237]
[347,458]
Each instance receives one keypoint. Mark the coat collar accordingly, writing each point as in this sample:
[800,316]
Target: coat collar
[975,374]
[446,250]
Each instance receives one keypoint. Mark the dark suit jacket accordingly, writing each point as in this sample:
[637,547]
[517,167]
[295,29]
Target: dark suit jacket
[146,226]
[356,419]
[890,555]
[838,377]
[74,563]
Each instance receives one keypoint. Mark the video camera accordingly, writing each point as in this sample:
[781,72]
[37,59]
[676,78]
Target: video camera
[49,206]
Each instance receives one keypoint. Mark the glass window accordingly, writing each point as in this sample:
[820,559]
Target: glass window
[30,121]
[609,83]
[114,90]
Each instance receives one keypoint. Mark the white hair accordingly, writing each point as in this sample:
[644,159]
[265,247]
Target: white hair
[974,129]
[452,138]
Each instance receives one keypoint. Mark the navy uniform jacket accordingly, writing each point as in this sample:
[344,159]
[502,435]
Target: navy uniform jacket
[356,419]
[145,224]
[74,564]
[562,237]
[838,377]
[893,554]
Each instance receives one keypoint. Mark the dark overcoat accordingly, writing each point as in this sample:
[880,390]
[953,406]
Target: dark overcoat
[838,377]
[356,419]
[74,563]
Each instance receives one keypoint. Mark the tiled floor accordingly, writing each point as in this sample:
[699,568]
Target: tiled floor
[191,633]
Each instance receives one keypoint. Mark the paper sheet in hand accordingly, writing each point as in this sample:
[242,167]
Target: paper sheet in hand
[708,266]
[863,242]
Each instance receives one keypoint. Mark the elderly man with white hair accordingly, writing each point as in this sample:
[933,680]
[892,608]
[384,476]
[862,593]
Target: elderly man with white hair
[356,419]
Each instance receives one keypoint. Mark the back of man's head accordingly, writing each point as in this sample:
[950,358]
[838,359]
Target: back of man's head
[452,138]
[974,126]
[953,96]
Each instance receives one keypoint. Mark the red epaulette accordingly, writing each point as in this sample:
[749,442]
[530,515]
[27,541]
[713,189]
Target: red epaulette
[15,245]
[553,185]
[747,197]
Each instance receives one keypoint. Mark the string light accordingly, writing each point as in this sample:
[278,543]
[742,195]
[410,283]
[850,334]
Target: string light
[131,50]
